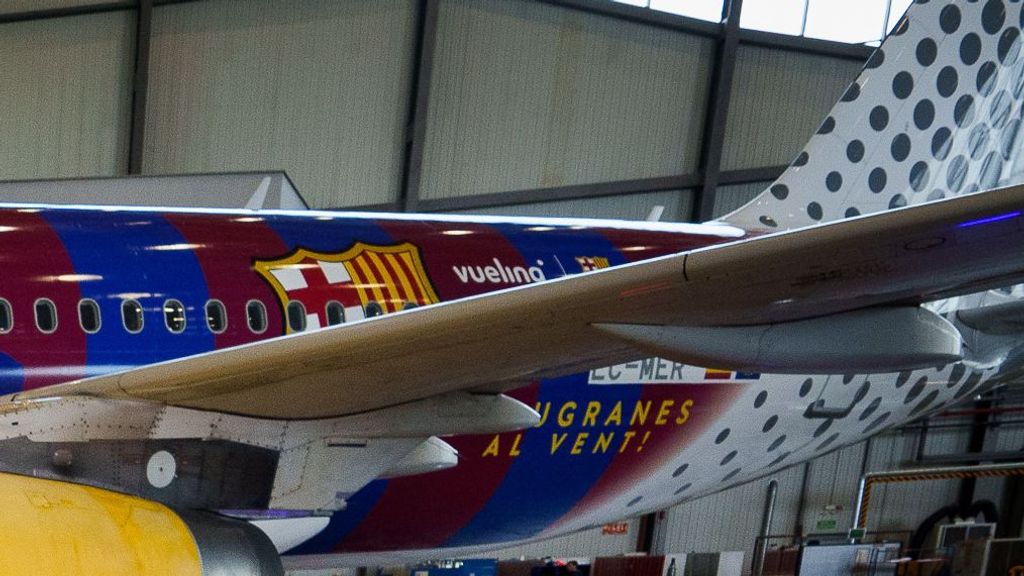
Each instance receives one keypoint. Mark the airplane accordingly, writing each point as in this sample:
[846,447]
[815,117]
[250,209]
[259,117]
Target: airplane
[195,391]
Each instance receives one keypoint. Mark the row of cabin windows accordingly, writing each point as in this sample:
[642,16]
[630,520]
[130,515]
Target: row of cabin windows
[132,318]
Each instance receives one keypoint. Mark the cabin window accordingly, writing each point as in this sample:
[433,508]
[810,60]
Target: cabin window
[335,313]
[46,315]
[216,317]
[131,316]
[174,316]
[409,305]
[373,309]
[256,314]
[6,317]
[296,316]
[89,315]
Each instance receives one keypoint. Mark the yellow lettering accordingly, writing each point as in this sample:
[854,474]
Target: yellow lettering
[543,413]
[625,440]
[565,420]
[593,409]
[492,448]
[663,412]
[684,411]
[556,441]
[640,413]
[577,446]
[604,441]
[514,451]
[615,417]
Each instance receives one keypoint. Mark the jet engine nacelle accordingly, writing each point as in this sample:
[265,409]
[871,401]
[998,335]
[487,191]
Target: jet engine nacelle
[54,527]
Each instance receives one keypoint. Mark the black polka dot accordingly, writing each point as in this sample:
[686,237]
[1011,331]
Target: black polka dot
[902,378]
[924,404]
[875,60]
[968,385]
[963,113]
[879,118]
[999,109]
[833,181]
[924,113]
[926,52]
[946,81]
[949,19]
[770,423]
[828,442]
[855,151]
[728,458]
[761,398]
[862,392]
[941,143]
[970,49]
[871,408]
[1009,138]
[768,221]
[956,173]
[991,170]
[634,501]
[919,176]
[678,471]
[847,378]
[992,16]
[937,194]
[779,460]
[876,180]
[977,141]
[722,436]
[823,427]
[682,489]
[897,201]
[986,78]
[1009,46]
[916,390]
[731,475]
[805,388]
[877,422]
[902,85]
[955,375]
[827,126]
[814,210]
[776,443]
[852,92]
[900,147]
[801,159]
[851,212]
[1017,82]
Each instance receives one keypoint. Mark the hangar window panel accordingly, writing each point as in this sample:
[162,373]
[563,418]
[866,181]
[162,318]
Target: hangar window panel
[897,9]
[216,316]
[296,316]
[779,16]
[335,313]
[46,315]
[256,316]
[6,317]
[732,197]
[678,207]
[846,21]
[174,316]
[131,316]
[710,10]
[89,316]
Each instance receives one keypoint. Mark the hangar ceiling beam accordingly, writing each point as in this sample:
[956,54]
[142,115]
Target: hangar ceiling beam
[61,12]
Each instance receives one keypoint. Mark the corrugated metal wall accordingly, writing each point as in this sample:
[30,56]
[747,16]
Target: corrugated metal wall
[315,87]
[64,85]
[677,203]
[526,95]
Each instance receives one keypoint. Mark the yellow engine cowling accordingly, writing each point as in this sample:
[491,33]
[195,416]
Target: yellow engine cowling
[58,528]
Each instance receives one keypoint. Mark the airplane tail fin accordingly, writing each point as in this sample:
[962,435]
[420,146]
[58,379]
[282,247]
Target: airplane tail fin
[935,112]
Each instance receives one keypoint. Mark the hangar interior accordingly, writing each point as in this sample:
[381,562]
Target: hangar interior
[585,108]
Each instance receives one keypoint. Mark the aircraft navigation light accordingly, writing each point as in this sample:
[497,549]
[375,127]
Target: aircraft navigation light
[988,219]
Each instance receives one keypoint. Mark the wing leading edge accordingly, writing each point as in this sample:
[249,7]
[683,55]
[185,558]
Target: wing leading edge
[521,334]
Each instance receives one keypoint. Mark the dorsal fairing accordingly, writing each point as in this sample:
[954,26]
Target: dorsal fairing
[934,113]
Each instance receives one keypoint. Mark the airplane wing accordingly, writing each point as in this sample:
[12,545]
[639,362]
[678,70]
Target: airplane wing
[499,340]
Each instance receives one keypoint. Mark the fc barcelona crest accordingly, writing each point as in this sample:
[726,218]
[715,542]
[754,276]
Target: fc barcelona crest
[363,281]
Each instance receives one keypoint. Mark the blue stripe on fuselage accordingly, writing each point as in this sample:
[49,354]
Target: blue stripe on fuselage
[555,251]
[328,236]
[140,256]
